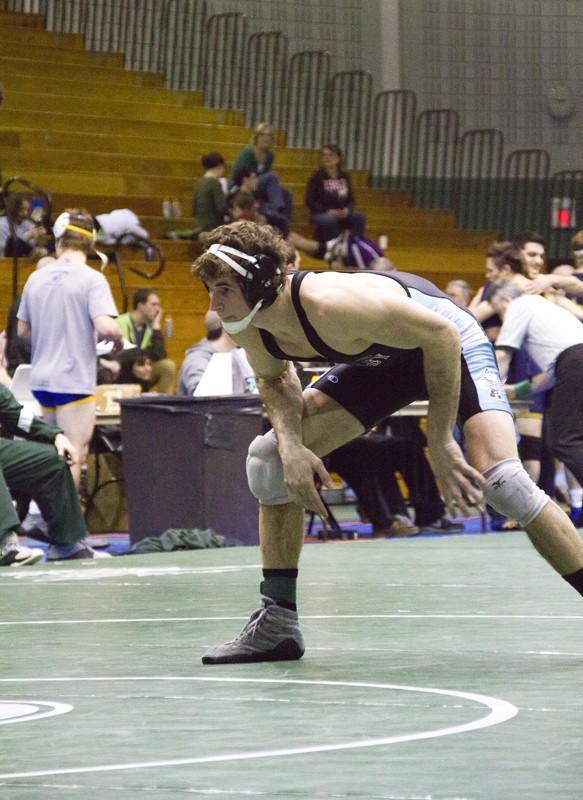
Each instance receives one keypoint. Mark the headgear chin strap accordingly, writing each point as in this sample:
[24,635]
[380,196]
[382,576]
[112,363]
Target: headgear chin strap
[257,281]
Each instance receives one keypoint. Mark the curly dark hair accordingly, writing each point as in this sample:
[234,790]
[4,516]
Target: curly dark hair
[248,237]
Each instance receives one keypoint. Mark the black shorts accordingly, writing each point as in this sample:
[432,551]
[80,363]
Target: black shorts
[372,393]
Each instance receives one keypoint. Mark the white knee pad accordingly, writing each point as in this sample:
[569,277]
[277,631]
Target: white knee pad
[265,471]
[511,491]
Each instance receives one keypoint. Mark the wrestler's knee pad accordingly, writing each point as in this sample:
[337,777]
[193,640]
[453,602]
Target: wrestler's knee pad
[511,491]
[265,471]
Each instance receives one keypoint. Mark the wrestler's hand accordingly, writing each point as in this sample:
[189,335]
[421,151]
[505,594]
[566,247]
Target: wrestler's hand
[460,484]
[542,283]
[299,466]
[65,449]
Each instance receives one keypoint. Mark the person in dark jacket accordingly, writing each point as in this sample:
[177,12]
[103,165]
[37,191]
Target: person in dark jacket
[330,198]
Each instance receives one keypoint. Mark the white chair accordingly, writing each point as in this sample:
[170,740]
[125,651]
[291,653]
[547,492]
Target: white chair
[20,388]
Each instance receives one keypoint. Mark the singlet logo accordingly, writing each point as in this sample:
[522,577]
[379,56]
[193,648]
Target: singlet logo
[373,361]
[490,380]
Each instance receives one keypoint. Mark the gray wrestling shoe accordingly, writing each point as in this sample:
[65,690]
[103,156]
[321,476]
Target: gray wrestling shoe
[14,554]
[271,634]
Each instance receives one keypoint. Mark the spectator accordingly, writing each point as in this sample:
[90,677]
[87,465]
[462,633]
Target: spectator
[38,468]
[460,291]
[275,202]
[146,364]
[64,306]
[244,206]
[565,278]
[24,237]
[330,198]
[209,202]
[554,340]
[344,251]
[198,357]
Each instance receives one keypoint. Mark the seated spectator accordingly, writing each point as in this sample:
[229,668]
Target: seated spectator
[209,201]
[245,206]
[39,469]
[143,327]
[198,357]
[19,234]
[344,251]
[275,202]
[330,198]
[460,291]
[65,306]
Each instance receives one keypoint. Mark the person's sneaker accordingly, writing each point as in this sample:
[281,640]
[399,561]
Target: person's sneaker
[271,634]
[400,526]
[75,551]
[443,525]
[14,554]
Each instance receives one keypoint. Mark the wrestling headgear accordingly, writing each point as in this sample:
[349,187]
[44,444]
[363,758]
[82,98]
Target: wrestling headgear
[256,281]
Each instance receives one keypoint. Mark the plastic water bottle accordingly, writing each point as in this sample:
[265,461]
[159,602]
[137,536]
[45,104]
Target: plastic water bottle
[176,209]
[167,208]
[168,327]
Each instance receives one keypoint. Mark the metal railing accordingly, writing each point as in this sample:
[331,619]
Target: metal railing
[393,123]
[308,76]
[347,110]
[183,67]
[262,89]
[434,158]
[225,42]
[478,170]
[523,192]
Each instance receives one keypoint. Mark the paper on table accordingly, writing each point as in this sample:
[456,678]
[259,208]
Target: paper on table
[104,348]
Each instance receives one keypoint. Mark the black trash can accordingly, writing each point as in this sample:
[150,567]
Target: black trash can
[184,464]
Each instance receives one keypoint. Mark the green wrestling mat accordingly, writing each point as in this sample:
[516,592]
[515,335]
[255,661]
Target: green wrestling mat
[446,668]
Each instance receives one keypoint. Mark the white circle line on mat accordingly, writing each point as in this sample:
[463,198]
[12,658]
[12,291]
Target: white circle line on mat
[498,711]
[12,711]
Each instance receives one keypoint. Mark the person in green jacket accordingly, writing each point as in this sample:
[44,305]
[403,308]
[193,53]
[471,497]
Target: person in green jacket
[209,200]
[39,468]
[143,327]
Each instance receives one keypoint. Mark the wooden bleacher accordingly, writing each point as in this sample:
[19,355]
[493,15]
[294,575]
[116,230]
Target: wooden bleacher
[96,135]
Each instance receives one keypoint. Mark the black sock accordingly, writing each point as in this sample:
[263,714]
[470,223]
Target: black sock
[280,585]
[576,580]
